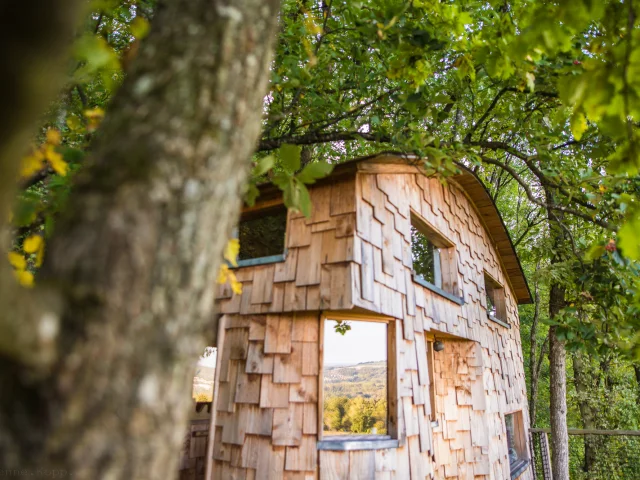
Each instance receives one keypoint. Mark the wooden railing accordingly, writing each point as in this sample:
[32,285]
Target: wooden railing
[605,461]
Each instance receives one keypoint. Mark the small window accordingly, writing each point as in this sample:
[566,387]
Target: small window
[355,381]
[516,443]
[202,388]
[262,234]
[433,258]
[496,305]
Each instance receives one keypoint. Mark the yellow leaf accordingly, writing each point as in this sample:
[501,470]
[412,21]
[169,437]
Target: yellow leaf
[94,113]
[578,125]
[236,286]
[39,257]
[223,274]
[74,123]
[24,278]
[53,136]
[33,244]
[30,165]
[56,161]
[17,260]
[231,251]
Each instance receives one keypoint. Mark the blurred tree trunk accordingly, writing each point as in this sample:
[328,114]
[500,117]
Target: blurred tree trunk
[134,259]
[636,370]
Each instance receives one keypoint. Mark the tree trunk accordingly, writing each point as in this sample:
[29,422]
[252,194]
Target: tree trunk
[557,356]
[135,258]
[636,369]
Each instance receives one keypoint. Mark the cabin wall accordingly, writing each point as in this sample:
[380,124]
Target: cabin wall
[477,381]
[266,427]
[318,271]
[354,252]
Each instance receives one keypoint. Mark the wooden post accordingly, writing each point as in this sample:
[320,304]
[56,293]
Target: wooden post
[214,401]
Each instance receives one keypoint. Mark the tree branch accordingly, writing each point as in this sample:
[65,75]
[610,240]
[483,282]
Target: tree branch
[533,199]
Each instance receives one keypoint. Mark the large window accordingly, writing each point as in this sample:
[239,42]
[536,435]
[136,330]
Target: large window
[516,443]
[433,258]
[355,385]
[495,298]
[262,234]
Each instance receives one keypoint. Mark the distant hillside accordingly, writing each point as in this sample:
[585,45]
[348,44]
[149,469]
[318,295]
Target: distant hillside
[366,380]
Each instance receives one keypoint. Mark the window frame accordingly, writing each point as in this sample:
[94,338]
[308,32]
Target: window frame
[363,442]
[448,261]
[499,300]
[249,213]
[517,468]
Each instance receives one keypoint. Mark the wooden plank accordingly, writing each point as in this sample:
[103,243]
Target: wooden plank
[298,234]
[271,464]
[257,360]
[238,343]
[421,355]
[388,262]
[310,418]
[295,298]
[321,204]
[257,327]
[247,388]
[366,272]
[311,358]
[334,465]
[278,334]
[262,291]
[304,457]
[334,249]
[273,395]
[287,425]
[343,197]
[341,287]
[305,391]
[305,327]
[286,271]
[308,269]
[288,368]
[362,465]
[259,420]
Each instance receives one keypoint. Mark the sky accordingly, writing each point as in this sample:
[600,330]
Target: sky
[365,342]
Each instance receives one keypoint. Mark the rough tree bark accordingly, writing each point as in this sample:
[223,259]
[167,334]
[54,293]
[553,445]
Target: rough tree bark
[135,259]
[557,357]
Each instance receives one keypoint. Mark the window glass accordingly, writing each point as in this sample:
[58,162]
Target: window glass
[355,379]
[516,443]
[262,235]
[202,390]
[426,258]
[496,306]
[491,306]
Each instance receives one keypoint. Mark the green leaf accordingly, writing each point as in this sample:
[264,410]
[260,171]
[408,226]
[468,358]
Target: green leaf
[263,165]
[314,171]
[628,238]
[290,156]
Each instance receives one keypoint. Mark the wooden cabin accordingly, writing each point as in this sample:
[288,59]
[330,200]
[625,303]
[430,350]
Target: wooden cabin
[456,401]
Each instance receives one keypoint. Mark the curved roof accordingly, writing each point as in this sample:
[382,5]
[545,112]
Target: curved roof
[479,196]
